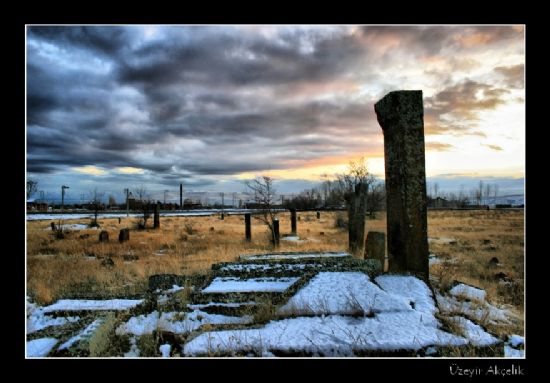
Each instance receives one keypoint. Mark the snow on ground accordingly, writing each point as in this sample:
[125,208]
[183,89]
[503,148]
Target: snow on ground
[40,347]
[442,240]
[291,238]
[332,335]
[464,291]
[411,289]
[86,333]
[510,352]
[473,332]
[269,266]
[88,304]
[178,323]
[165,350]
[516,340]
[295,256]
[342,293]
[36,320]
[479,311]
[234,285]
[134,350]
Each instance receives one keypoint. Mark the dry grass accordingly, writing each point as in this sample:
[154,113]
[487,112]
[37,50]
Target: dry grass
[187,245]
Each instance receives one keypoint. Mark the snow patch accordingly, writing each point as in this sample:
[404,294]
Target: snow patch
[165,350]
[146,324]
[510,352]
[473,332]
[40,347]
[464,291]
[516,340]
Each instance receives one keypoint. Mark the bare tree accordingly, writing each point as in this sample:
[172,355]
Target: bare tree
[375,198]
[32,188]
[112,200]
[264,194]
[140,192]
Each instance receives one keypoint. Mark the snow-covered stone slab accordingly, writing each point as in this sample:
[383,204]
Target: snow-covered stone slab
[92,305]
[178,323]
[473,332]
[330,336]
[247,267]
[469,292]
[220,304]
[40,347]
[235,285]
[412,289]
[290,256]
[342,293]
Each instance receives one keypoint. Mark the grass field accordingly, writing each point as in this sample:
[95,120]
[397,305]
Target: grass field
[75,266]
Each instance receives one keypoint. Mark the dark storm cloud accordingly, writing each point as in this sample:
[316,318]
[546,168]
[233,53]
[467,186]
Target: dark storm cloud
[104,40]
[204,101]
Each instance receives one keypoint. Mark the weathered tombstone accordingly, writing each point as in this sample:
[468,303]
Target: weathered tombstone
[156,221]
[401,116]
[222,216]
[375,246]
[247,230]
[124,235]
[104,236]
[276,231]
[318,215]
[52,224]
[293,221]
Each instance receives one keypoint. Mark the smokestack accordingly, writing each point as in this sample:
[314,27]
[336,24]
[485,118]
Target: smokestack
[181,196]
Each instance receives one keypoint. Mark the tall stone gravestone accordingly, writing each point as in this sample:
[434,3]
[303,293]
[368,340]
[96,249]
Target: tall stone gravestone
[401,116]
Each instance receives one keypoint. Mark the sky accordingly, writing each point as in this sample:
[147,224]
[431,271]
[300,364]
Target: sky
[111,107]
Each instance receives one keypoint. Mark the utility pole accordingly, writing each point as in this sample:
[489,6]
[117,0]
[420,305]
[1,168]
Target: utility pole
[127,191]
[63,197]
